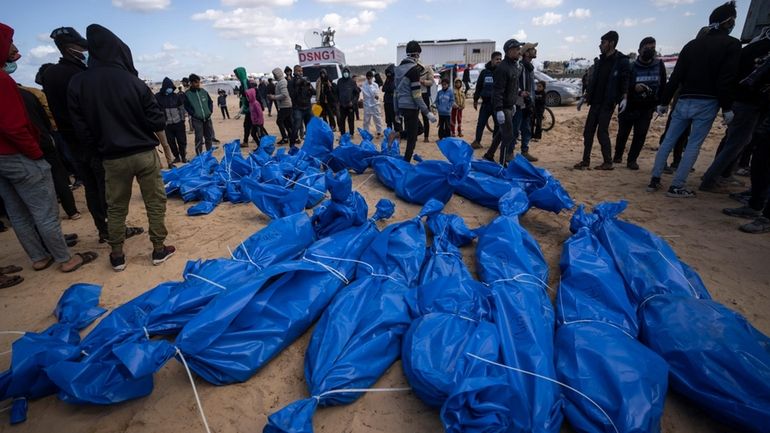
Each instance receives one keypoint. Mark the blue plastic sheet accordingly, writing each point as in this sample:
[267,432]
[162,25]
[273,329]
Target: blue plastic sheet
[349,155]
[244,328]
[623,383]
[715,357]
[34,352]
[346,208]
[319,140]
[427,179]
[359,336]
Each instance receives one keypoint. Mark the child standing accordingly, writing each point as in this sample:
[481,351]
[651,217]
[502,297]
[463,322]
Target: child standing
[445,101]
[222,102]
[457,110]
[537,120]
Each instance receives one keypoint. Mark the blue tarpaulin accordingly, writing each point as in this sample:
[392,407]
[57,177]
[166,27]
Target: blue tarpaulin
[715,357]
[345,208]
[359,336]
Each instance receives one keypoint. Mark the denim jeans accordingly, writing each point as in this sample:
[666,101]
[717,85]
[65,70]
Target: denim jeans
[739,135]
[700,113]
[522,125]
[27,189]
[300,117]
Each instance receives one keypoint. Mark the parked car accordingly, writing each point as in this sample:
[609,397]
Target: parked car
[557,92]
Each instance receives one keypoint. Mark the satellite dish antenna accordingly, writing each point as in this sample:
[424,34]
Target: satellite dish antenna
[314,38]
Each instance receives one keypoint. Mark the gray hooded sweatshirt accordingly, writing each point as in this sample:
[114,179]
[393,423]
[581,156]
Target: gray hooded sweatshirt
[282,97]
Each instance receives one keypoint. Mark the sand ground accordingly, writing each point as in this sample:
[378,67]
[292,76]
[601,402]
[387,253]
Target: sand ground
[733,265]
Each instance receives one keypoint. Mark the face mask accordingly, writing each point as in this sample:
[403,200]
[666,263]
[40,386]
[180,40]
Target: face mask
[169,91]
[10,67]
[648,54]
[346,75]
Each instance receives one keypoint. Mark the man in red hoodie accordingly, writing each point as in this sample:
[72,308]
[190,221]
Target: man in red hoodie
[26,184]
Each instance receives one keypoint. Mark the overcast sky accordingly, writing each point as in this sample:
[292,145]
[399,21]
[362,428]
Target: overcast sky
[174,37]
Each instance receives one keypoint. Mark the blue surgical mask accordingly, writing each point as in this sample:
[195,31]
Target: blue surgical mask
[169,91]
[10,67]
[346,75]
[84,60]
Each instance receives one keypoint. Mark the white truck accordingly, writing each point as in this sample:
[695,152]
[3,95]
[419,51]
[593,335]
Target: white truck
[314,60]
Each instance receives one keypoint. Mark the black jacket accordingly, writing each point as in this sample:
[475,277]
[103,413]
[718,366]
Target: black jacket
[506,87]
[56,81]
[484,84]
[707,68]
[300,91]
[38,117]
[113,111]
[617,84]
[347,91]
[752,94]
[171,104]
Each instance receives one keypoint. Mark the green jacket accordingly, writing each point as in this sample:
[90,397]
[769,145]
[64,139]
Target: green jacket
[198,104]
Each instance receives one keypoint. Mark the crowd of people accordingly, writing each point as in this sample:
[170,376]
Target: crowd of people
[96,122]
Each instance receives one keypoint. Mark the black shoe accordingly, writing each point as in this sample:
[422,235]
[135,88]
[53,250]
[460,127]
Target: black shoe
[582,165]
[176,160]
[632,166]
[133,231]
[489,158]
[759,225]
[617,160]
[742,212]
[158,257]
[654,185]
[214,140]
[184,160]
[668,169]
[680,192]
[118,263]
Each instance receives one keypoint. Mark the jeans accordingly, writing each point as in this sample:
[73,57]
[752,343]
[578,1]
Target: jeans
[372,114]
[598,123]
[301,117]
[284,122]
[390,115]
[204,132]
[346,116]
[522,124]
[739,134]
[637,120]
[444,121]
[26,187]
[119,177]
[457,121]
[411,117]
[177,140]
[502,138]
[485,112]
[699,113]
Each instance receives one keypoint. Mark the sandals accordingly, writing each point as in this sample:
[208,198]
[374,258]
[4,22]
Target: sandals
[12,269]
[87,257]
[44,266]
[9,281]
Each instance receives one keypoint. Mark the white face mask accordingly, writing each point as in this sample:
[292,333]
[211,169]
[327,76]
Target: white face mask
[10,67]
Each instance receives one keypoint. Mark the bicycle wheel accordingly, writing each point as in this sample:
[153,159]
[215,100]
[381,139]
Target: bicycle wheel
[491,124]
[548,119]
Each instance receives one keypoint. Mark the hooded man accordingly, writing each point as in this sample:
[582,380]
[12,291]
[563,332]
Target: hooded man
[505,92]
[200,106]
[706,71]
[407,99]
[607,87]
[26,185]
[347,96]
[326,96]
[301,92]
[483,91]
[388,89]
[116,115]
[525,103]
[173,105]
[282,100]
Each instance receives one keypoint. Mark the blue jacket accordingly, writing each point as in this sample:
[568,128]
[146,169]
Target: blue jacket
[444,101]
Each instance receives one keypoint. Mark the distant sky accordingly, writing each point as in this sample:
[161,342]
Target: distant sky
[174,37]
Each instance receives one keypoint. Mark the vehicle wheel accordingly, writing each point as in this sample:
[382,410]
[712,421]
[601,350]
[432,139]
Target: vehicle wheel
[552,99]
[548,120]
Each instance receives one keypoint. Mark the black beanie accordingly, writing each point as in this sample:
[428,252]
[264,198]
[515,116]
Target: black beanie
[723,13]
[612,36]
[67,35]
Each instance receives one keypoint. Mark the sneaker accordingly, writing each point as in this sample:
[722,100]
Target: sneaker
[529,157]
[158,257]
[668,169]
[716,188]
[582,165]
[759,225]
[176,160]
[680,192]
[489,158]
[604,166]
[476,145]
[632,166]
[744,172]
[654,185]
[215,140]
[617,159]
[742,212]
[733,181]
[742,197]
[118,263]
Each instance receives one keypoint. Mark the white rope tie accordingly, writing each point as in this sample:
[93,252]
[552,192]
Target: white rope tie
[360,185]
[248,256]
[341,391]
[518,279]
[195,390]
[296,183]
[648,299]
[679,271]
[12,333]
[207,280]
[84,353]
[330,269]
[570,322]
[146,334]
[371,268]
[6,352]
[549,380]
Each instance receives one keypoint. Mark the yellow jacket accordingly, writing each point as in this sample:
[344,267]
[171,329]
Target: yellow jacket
[459,94]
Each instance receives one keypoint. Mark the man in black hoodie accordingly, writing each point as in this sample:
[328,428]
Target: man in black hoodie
[483,91]
[347,95]
[706,72]
[173,105]
[505,92]
[607,87]
[300,91]
[116,115]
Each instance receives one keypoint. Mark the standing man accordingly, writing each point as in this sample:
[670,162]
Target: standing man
[706,72]
[483,91]
[173,106]
[407,99]
[347,95]
[199,106]
[270,91]
[55,81]
[646,84]
[26,185]
[300,102]
[116,114]
[505,91]
[607,87]
[388,89]
[371,94]
[525,103]
[283,103]
[467,79]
